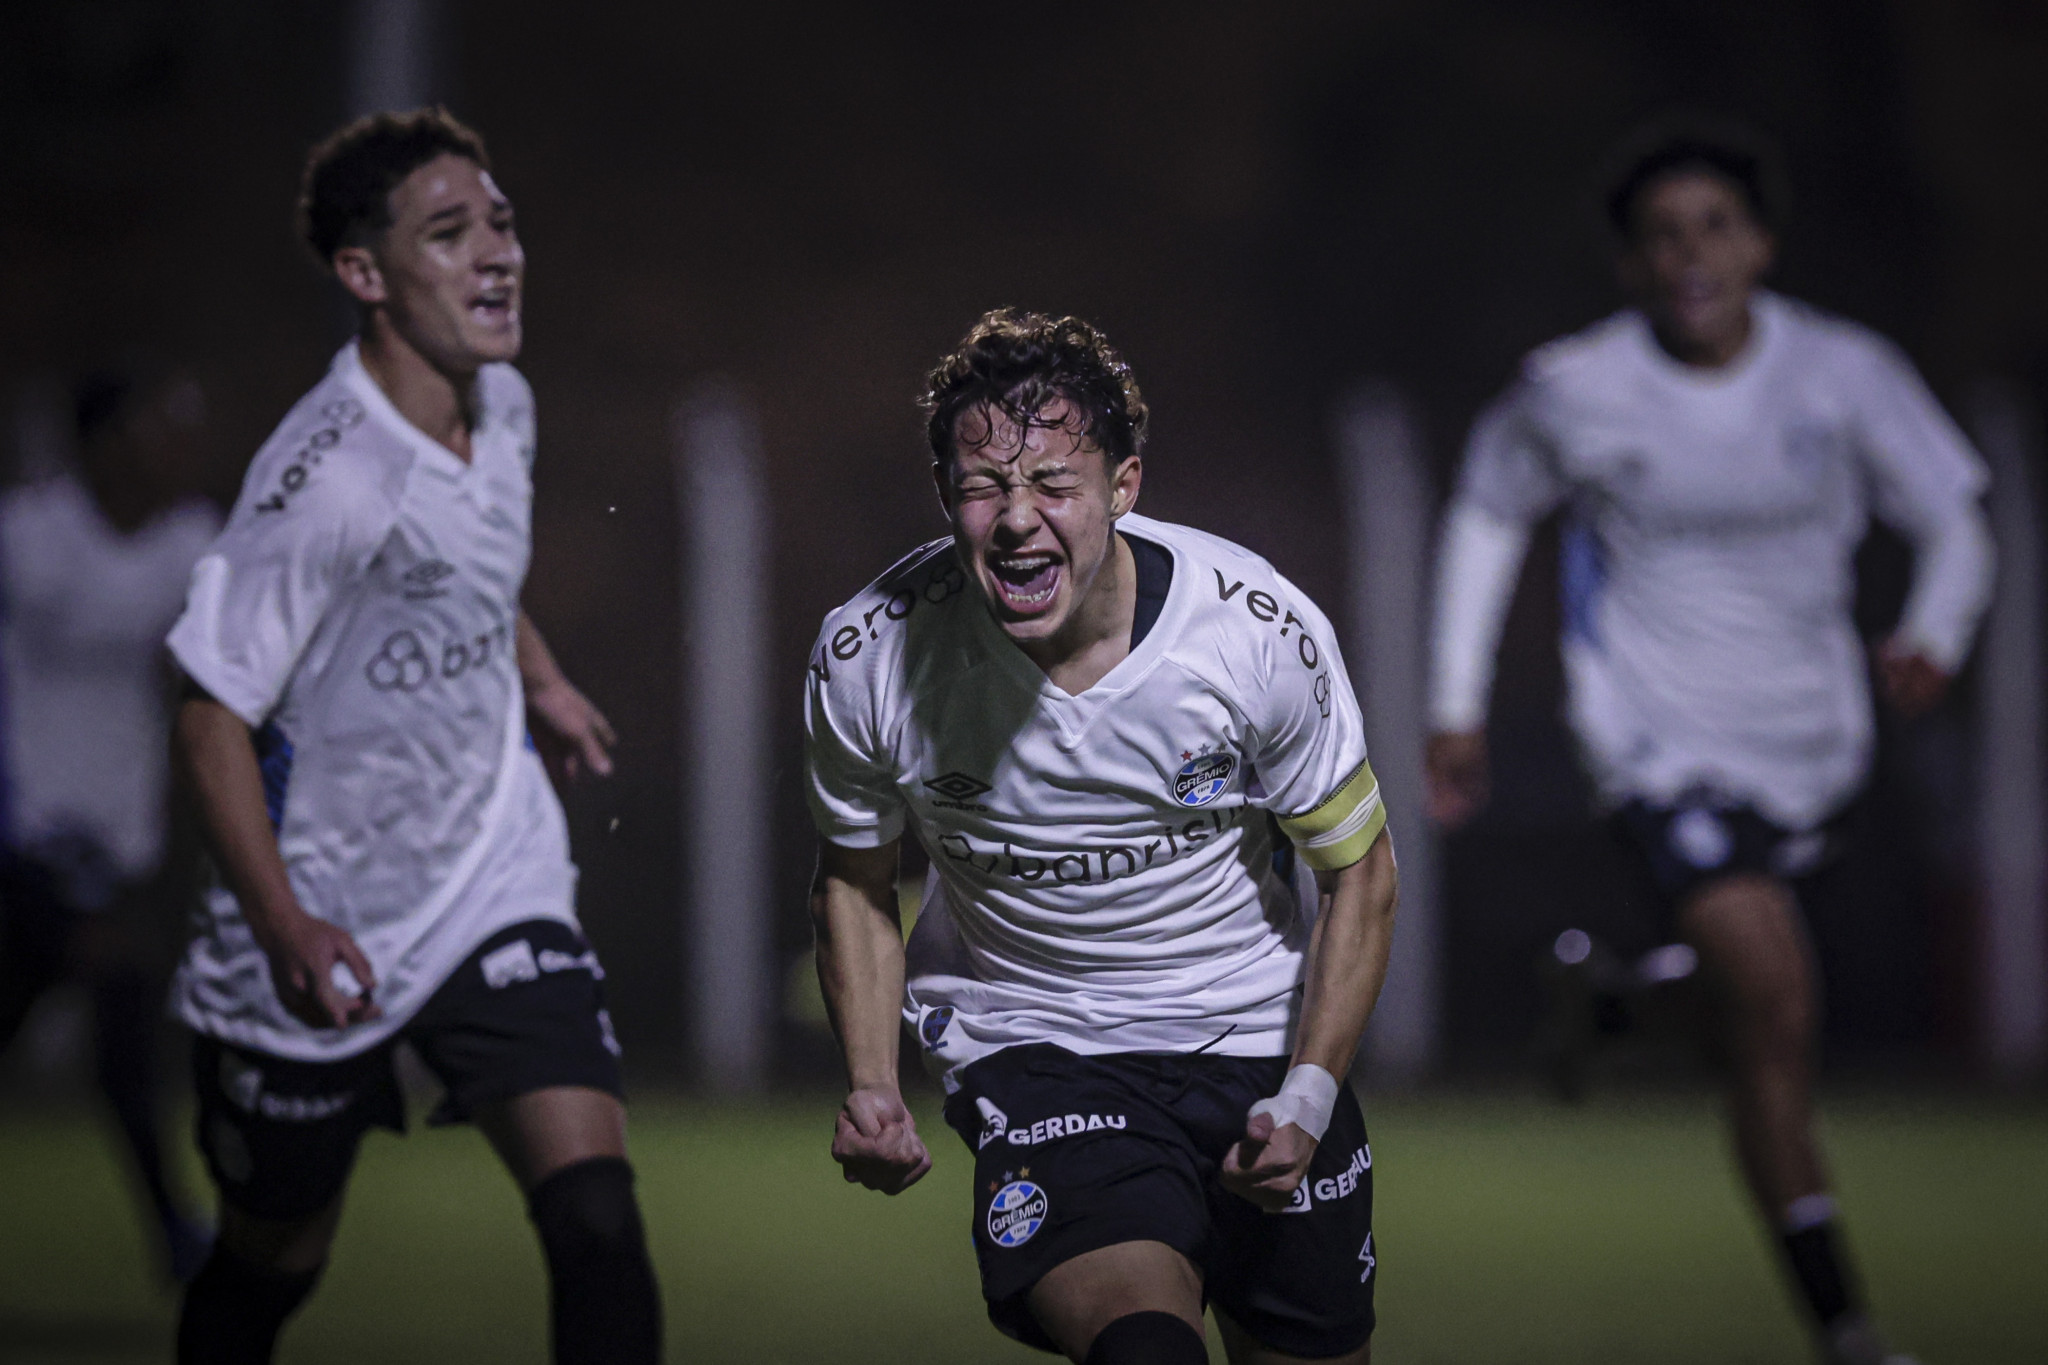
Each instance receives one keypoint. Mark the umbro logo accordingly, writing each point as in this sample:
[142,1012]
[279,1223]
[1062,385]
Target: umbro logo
[425,579]
[957,786]
[959,790]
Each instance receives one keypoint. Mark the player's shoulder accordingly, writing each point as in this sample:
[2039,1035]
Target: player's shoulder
[1816,337]
[885,628]
[506,399]
[334,454]
[1588,357]
[39,522]
[60,498]
[1242,611]
[1201,550]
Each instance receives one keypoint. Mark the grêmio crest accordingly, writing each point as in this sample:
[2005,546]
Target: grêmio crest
[1204,775]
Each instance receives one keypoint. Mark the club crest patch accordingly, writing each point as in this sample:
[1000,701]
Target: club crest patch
[1017,1211]
[933,1026]
[1202,777]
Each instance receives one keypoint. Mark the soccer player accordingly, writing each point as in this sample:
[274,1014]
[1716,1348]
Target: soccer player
[1115,737]
[93,562]
[365,734]
[1720,449]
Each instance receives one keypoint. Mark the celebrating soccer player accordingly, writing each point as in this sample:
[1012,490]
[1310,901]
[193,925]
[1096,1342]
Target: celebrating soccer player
[1115,738]
[1720,449]
[368,717]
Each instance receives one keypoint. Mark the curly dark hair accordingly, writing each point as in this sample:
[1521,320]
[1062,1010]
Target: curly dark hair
[1737,154]
[345,193]
[1018,363]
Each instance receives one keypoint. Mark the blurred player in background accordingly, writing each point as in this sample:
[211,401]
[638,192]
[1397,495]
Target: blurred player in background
[395,863]
[1720,449]
[1091,721]
[93,563]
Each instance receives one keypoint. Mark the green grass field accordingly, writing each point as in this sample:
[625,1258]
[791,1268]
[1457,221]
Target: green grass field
[1511,1232]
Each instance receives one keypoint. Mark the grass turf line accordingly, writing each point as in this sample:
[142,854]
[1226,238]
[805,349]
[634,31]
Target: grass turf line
[1511,1232]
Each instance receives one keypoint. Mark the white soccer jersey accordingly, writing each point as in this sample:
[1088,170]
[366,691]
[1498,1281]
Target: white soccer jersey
[1708,569]
[83,611]
[360,611]
[1104,874]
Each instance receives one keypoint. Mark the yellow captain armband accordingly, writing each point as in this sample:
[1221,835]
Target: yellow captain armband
[1340,831]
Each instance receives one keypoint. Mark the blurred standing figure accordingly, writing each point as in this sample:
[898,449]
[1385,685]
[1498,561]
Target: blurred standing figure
[368,716]
[1720,449]
[93,563]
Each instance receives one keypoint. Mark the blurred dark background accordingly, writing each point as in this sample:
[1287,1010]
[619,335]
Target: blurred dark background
[1262,205]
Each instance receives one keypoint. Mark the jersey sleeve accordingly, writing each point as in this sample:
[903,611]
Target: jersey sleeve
[848,776]
[1510,469]
[1311,759]
[1926,480]
[259,594]
[1509,481]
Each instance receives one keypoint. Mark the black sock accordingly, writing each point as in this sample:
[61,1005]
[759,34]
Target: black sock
[607,1310]
[1817,1262]
[233,1311]
[1149,1338]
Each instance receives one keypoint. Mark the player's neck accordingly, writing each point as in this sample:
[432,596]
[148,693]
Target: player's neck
[435,400]
[1097,637]
[1710,351]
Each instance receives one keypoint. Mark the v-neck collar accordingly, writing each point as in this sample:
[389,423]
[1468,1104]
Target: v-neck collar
[349,363]
[1764,326]
[1077,707]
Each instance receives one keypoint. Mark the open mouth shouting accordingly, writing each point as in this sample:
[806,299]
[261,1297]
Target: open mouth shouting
[1027,581]
[495,305]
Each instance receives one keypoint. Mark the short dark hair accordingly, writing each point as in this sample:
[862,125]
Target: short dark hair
[111,392]
[345,194]
[1018,362]
[1718,147]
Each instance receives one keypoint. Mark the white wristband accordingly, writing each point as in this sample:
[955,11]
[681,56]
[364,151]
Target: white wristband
[1305,1100]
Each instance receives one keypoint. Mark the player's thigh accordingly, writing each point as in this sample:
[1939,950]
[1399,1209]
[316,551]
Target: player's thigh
[280,1137]
[1077,1298]
[1300,1283]
[1244,1350]
[283,1246]
[1086,1184]
[520,1037]
[1753,950]
[544,1131]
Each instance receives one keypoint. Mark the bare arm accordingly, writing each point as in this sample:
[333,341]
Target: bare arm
[570,732]
[1347,965]
[1347,961]
[860,970]
[218,761]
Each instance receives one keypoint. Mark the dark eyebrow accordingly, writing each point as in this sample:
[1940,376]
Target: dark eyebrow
[452,211]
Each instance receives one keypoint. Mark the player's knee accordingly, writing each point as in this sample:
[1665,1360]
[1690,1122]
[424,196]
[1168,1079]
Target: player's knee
[279,1246]
[587,1211]
[1149,1338]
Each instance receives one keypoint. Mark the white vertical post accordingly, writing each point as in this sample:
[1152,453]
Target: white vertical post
[393,61]
[2012,820]
[1389,513]
[728,886]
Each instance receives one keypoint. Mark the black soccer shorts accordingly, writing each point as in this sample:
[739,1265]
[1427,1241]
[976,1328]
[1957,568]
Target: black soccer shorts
[280,1136]
[1075,1153]
[1700,839]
